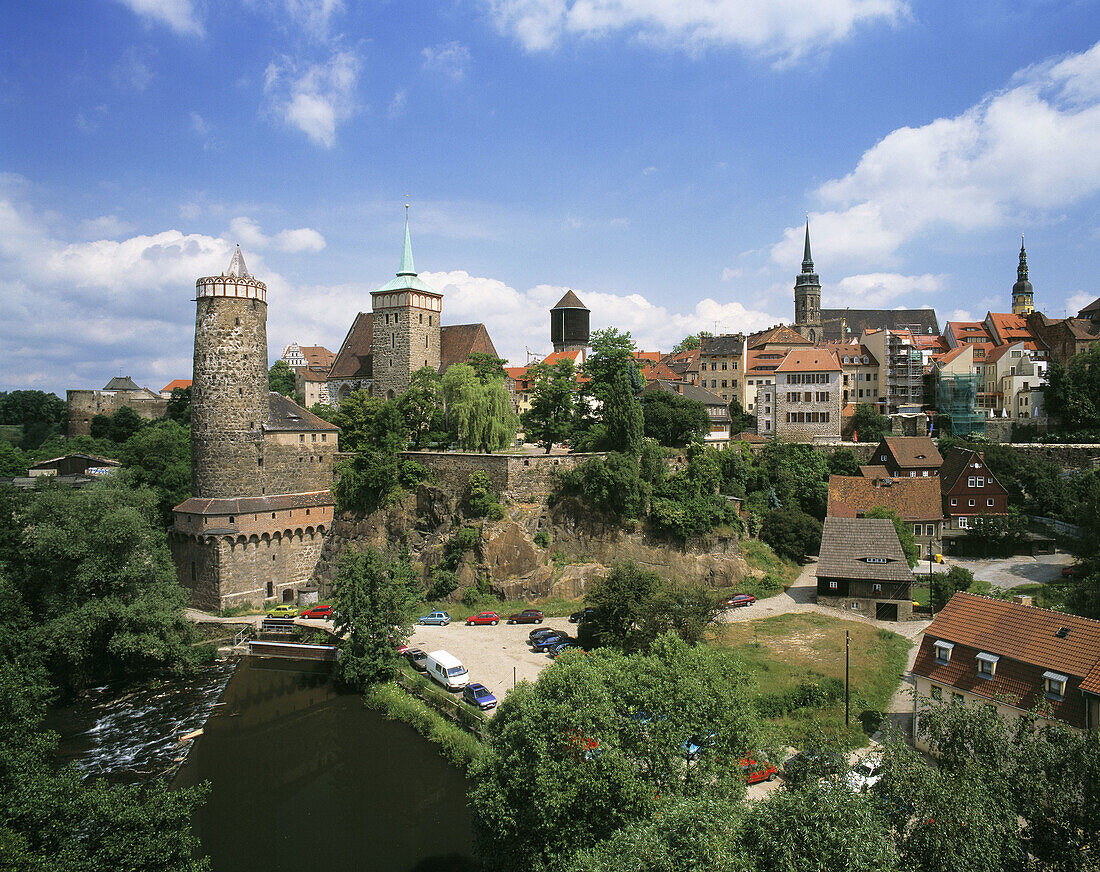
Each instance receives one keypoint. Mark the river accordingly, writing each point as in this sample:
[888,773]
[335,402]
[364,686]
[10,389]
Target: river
[302,778]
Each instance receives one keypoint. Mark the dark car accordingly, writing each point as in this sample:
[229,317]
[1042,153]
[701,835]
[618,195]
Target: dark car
[418,660]
[527,616]
[478,694]
[559,648]
[550,641]
[810,766]
[739,600]
[543,632]
[582,615]
[318,612]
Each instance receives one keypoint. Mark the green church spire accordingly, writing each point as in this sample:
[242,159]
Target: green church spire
[407,268]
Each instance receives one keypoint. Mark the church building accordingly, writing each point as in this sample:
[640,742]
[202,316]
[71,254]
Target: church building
[401,334]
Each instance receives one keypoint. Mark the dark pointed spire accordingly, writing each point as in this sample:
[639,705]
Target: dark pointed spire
[807,260]
[1021,270]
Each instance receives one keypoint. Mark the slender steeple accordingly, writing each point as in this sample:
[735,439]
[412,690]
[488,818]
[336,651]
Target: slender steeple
[1023,297]
[807,296]
[807,260]
[407,268]
[237,267]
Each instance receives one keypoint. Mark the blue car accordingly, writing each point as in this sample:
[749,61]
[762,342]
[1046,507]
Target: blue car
[695,745]
[548,642]
[561,647]
[439,618]
[478,694]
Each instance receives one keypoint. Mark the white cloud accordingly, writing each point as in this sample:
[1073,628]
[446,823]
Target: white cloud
[959,315]
[451,59]
[1029,149]
[177,14]
[731,273]
[649,170]
[782,29]
[520,320]
[132,69]
[398,104]
[878,290]
[248,233]
[199,125]
[1077,301]
[90,121]
[313,15]
[317,97]
[105,227]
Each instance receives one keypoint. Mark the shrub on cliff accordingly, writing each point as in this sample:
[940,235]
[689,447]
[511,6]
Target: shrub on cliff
[791,533]
[481,499]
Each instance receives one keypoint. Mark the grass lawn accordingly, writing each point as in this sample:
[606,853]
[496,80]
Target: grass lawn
[786,650]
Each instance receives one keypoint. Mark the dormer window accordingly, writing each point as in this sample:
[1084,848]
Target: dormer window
[943,650]
[1054,684]
[987,664]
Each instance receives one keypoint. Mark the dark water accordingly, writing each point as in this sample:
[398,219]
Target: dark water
[306,779]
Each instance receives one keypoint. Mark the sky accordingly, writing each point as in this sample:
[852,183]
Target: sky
[658,157]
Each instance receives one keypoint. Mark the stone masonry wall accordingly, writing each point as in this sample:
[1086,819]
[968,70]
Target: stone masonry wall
[406,338]
[521,478]
[82,406]
[229,396]
[291,466]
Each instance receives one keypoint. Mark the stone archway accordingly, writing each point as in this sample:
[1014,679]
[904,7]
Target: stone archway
[288,595]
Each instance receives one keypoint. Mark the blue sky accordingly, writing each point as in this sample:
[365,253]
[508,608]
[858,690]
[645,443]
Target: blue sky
[656,156]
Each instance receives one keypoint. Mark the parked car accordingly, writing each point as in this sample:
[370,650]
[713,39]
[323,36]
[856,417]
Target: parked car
[559,648]
[478,694]
[739,600]
[439,618]
[757,772]
[527,616]
[1073,572]
[318,612]
[447,670]
[418,659]
[542,632]
[581,616]
[866,773]
[283,610]
[547,642]
[810,766]
[484,618]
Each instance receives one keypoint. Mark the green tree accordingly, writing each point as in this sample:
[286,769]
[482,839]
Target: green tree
[740,420]
[179,406]
[159,457]
[905,533]
[553,403]
[100,426]
[612,352]
[479,410]
[946,584]
[687,610]
[998,534]
[620,599]
[324,411]
[420,403]
[672,419]
[613,486]
[622,416]
[13,462]
[280,378]
[482,500]
[868,424]
[843,462]
[689,343]
[791,533]
[367,422]
[798,473]
[596,745]
[1073,392]
[375,599]
[124,424]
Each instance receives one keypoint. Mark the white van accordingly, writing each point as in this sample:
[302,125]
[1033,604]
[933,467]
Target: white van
[447,670]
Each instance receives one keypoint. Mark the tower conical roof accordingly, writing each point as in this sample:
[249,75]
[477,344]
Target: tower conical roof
[406,278]
[407,268]
[237,267]
[807,260]
[570,301]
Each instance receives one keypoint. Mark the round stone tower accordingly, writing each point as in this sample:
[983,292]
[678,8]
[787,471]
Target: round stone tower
[569,323]
[229,388]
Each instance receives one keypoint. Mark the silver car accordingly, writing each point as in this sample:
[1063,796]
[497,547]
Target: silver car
[439,618]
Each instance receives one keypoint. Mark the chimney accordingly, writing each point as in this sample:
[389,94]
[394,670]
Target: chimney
[1022,599]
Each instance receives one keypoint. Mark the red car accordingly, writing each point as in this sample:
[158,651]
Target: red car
[739,600]
[756,772]
[317,612]
[484,618]
[527,616]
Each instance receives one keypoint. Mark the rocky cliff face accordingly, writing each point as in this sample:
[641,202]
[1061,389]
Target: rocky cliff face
[581,548]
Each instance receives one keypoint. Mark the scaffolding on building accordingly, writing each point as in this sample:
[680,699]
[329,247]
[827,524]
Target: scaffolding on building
[957,397]
[904,372]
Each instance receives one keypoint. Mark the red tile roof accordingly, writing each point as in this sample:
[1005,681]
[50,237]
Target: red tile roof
[913,452]
[459,341]
[810,360]
[176,383]
[1028,640]
[914,499]
[355,358]
[317,355]
[781,334]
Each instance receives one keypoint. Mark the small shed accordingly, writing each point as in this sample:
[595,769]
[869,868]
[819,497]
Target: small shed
[862,568]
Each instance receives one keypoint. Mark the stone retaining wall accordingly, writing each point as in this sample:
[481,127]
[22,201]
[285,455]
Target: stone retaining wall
[522,478]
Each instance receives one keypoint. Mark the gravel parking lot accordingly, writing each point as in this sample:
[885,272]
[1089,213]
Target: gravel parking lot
[1011,571]
[491,653]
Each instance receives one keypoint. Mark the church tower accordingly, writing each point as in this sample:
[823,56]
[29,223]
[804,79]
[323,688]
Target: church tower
[569,324]
[229,388]
[406,314]
[1023,301]
[807,297]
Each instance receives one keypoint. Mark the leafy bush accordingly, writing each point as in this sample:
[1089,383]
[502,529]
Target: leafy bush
[481,500]
[791,533]
[542,539]
[766,586]
[443,584]
[807,694]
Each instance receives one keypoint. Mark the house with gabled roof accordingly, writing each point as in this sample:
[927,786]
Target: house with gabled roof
[968,488]
[804,403]
[916,501]
[1015,658]
[861,568]
[908,456]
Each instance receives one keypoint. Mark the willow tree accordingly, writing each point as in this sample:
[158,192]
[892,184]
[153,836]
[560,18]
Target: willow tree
[478,408]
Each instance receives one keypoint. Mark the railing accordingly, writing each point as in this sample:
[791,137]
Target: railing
[246,633]
[446,704]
